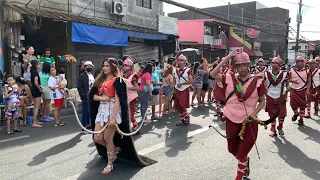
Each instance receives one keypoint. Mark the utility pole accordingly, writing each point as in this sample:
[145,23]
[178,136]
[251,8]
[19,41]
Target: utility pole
[299,20]
[229,10]
[287,41]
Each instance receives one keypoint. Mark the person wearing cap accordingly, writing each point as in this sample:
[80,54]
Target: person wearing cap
[260,68]
[276,81]
[299,78]
[313,86]
[84,84]
[133,88]
[247,98]
[183,80]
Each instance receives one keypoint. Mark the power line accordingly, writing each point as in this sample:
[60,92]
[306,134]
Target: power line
[246,10]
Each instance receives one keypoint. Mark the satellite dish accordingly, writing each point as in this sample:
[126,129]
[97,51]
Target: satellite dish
[119,8]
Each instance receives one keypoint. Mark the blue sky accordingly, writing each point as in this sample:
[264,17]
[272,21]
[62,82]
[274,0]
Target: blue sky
[310,11]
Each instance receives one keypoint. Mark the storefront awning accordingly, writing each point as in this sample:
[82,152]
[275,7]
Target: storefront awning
[91,34]
[148,36]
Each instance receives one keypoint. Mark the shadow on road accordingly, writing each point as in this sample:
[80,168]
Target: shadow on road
[313,134]
[180,133]
[42,157]
[297,159]
[122,170]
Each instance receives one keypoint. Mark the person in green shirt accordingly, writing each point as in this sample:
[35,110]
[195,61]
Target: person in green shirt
[47,93]
[47,57]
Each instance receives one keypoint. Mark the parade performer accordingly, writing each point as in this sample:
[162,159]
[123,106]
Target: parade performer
[299,77]
[219,89]
[132,88]
[313,86]
[246,101]
[276,79]
[261,68]
[183,80]
[107,109]
[318,66]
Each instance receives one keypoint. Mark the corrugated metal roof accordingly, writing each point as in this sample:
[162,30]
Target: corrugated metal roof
[58,15]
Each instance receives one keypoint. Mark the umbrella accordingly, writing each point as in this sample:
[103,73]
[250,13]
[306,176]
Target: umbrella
[189,52]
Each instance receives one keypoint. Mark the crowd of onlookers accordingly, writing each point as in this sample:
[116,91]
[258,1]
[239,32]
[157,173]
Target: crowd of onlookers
[41,83]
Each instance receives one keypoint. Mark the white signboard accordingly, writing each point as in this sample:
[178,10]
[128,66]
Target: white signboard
[207,39]
[167,25]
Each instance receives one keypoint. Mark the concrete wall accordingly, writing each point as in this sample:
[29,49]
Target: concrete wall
[136,15]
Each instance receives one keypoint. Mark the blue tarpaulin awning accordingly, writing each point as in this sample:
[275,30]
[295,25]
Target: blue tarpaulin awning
[91,34]
[148,36]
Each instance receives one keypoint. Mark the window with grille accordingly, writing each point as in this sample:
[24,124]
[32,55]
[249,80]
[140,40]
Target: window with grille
[144,3]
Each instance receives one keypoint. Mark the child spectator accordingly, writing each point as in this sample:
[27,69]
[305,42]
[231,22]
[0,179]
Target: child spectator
[62,80]
[57,96]
[12,104]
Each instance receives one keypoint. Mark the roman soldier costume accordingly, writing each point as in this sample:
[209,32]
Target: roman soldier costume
[242,101]
[260,70]
[181,94]
[315,84]
[132,78]
[276,95]
[219,90]
[298,100]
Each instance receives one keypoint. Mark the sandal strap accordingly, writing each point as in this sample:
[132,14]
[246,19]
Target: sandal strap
[242,170]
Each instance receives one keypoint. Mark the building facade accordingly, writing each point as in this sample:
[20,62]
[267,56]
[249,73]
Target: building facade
[89,30]
[274,20]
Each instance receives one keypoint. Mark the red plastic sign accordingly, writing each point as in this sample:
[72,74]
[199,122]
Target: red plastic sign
[253,33]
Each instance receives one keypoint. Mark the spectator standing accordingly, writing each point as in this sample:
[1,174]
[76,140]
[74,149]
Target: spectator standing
[81,67]
[47,57]
[156,90]
[47,94]
[12,104]
[57,95]
[145,90]
[27,58]
[36,91]
[84,84]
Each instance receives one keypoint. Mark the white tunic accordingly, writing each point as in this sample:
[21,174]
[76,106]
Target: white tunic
[261,72]
[181,79]
[316,78]
[274,91]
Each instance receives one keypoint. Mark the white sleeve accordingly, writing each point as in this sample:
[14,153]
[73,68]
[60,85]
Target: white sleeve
[51,82]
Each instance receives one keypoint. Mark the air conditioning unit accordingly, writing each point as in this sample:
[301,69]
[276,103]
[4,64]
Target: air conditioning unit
[119,8]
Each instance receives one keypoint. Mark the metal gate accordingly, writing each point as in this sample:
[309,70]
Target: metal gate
[140,52]
[96,53]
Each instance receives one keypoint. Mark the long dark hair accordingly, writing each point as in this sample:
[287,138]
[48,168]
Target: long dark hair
[114,69]
[147,68]
[34,64]
[46,68]
[195,67]
[20,80]
[44,54]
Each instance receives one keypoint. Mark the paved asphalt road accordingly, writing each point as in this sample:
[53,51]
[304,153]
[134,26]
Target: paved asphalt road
[193,152]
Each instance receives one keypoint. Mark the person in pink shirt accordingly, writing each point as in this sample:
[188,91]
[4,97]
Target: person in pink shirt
[299,77]
[145,90]
[247,98]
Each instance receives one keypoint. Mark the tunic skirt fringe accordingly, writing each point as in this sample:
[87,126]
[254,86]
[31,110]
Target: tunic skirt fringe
[105,113]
